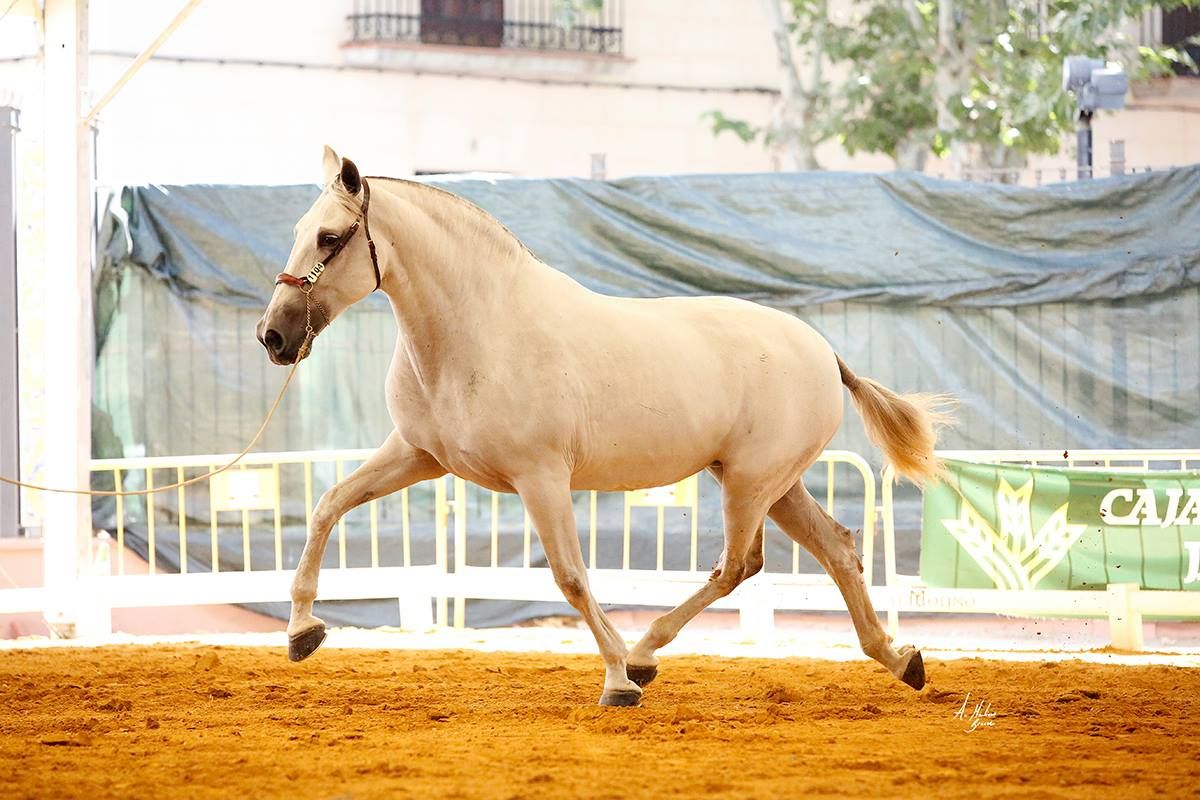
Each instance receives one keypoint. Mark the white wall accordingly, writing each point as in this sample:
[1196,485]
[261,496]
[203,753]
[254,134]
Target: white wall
[259,117]
[249,123]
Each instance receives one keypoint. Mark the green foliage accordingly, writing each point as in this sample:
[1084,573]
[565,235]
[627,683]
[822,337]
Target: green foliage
[1166,60]
[886,94]
[1007,77]
[739,128]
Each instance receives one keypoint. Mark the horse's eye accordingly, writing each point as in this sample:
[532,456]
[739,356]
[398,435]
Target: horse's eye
[328,239]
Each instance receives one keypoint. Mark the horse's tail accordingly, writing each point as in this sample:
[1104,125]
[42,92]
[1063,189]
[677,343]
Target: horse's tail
[903,426]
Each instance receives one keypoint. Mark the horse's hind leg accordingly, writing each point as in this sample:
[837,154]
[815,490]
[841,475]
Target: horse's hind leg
[744,511]
[803,519]
[395,465]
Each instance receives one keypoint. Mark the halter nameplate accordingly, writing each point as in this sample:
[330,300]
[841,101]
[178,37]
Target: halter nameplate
[315,273]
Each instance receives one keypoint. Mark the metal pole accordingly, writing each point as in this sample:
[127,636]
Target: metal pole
[69,350]
[10,430]
[1083,146]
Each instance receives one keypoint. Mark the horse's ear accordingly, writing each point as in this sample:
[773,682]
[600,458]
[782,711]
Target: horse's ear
[349,177]
[330,165]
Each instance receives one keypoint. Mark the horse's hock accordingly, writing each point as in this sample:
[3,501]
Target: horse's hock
[236,722]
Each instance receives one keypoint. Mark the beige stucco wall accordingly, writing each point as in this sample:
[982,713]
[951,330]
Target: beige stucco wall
[240,107]
[249,124]
[515,112]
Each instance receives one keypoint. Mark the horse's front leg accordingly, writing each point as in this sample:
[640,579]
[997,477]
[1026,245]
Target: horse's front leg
[395,465]
[548,501]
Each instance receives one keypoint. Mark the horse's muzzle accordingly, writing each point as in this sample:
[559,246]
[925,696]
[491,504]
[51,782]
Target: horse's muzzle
[282,345]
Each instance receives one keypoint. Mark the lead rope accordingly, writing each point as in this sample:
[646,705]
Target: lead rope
[309,334]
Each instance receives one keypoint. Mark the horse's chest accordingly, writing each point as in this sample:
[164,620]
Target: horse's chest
[464,451]
[467,440]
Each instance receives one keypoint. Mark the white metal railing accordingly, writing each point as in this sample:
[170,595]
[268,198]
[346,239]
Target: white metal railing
[250,500]
[249,505]
[659,586]
[1123,604]
[1109,459]
[255,485]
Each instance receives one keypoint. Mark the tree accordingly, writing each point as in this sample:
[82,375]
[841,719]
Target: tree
[974,81]
[794,130]
[791,130]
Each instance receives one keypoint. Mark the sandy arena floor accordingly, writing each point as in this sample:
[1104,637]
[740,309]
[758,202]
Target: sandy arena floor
[202,721]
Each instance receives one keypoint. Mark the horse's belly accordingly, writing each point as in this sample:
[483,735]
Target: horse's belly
[647,443]
[626,475]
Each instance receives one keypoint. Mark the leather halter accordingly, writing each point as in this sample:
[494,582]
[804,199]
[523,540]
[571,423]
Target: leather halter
[306,283]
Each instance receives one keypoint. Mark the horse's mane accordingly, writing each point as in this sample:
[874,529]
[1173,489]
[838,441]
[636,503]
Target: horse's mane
[488,223]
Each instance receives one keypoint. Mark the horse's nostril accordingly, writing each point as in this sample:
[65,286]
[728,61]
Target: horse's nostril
[273,341]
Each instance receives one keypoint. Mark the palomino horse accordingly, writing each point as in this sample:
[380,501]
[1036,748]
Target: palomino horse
[511,375]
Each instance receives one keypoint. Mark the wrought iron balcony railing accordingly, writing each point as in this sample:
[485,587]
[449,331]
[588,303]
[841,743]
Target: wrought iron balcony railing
[583,26]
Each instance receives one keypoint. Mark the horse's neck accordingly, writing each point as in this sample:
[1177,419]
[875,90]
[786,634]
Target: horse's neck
[450,273]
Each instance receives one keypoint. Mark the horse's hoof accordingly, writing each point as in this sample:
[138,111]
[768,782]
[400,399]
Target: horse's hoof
[621,697]
[641,675]
[305,643]
[914,673]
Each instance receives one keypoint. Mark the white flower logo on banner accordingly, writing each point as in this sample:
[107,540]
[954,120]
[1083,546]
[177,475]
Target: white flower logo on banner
[1014,557]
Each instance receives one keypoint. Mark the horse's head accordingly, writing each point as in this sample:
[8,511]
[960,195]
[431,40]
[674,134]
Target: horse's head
[332,265]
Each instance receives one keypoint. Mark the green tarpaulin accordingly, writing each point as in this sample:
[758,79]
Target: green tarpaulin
[1063,316]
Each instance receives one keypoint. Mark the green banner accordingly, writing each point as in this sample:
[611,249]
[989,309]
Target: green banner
[1015,527]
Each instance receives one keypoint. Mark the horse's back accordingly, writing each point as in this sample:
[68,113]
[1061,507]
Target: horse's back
[745,341]
[786,369]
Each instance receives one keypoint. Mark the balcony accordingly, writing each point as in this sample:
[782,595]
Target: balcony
[546,26]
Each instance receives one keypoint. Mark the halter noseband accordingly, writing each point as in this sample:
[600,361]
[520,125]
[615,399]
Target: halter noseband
[306,283]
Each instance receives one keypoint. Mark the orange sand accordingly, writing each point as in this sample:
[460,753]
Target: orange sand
[136,721]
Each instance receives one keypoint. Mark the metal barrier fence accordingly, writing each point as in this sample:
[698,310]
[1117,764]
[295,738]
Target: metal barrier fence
[1123,604]
[247,521]
[237,538]
[624,583]
[257,485]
